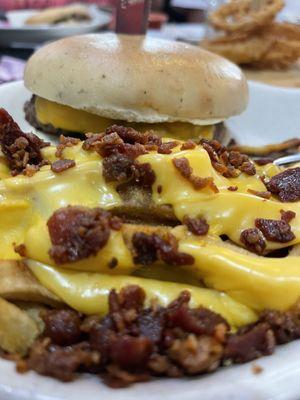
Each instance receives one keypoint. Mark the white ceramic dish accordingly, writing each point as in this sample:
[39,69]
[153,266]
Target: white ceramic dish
[279,379]
[272,115]
[18,32]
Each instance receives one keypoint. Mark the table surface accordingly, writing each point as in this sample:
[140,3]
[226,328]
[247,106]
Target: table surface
[288,78]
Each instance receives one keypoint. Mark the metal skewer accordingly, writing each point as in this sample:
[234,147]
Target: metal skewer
[287,159]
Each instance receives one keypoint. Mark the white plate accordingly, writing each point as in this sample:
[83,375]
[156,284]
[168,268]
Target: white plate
[272,115]
[278,381]
[18,32]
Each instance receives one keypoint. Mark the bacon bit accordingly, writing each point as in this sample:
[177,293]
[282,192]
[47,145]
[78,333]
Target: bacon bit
[228,163]
[286,185]
[30,170]
[250,343]
[166,148]
[232,188]
[150,248]
[263,161]
[183,166]
[62,165]
[133,342]
[264,195]
[120,168]
[254,240]
[115,223]
[159,189]
[198,226]
[18,147]
[287,216]
[65,141]
[275,231]
[256,369]
[20,249]
[113,263]
[62,326]
[188,145]
[121,140]
[78,232]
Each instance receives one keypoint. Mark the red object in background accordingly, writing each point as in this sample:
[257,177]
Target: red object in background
[7,5]
[156,20]
[132,16]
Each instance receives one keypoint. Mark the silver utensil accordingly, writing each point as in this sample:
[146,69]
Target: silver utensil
[287,159]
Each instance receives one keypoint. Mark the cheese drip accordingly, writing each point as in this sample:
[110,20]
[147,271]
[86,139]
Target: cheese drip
[87,292]
[26,203]
[71,119]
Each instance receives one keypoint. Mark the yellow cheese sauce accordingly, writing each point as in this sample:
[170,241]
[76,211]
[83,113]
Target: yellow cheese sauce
[26,203]
[71,119]
[87,292]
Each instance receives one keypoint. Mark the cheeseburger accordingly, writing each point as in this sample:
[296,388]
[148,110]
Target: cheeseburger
[87,83]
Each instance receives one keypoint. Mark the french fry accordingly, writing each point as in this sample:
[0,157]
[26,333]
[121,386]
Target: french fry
[18,283]
[17,330]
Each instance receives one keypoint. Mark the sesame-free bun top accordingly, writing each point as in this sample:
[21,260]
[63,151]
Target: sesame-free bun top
[137,79]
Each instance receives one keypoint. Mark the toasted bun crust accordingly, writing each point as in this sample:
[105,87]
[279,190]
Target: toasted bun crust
[53,14]
[138,79]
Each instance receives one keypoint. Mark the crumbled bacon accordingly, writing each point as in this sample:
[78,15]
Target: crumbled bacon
[78,232]
[228,163]
[275,231]
[121,169]
[254,240]
[166,148]
[62,326]
[250,343]
[64,142]
[286,185]
[232,188]
[188,145]
[285,325]
[150,248]
[198,226]
[113,263]
[186,171]
[62,165]
[30,169]
[119,147]
[20,249]
[129,135]
[264,195]
[200,321]
[287,216]
[131,342]
[20,149]
[61,362]
[196,355]
[121,140]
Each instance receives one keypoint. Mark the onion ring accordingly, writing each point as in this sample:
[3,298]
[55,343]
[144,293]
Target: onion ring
[244,51]
[245,15]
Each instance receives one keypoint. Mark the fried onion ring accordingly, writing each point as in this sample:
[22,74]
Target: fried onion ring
[245,51]
[245,15]
[275,46]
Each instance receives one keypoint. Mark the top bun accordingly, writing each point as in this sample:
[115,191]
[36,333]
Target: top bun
[138,79]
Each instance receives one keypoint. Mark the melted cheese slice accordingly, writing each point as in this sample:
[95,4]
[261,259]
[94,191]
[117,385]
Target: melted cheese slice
[26,203]
[260,283]
[87,292]
[71,119]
